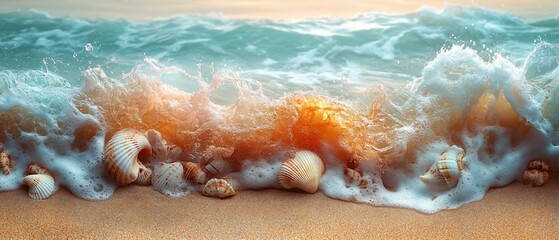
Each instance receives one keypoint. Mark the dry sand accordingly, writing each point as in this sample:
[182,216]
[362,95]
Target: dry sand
[516,211]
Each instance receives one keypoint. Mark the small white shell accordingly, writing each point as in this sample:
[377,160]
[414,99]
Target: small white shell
[41,186]
[121,155]
[217,167]
[219,188]
[302,171]
[446,171]
[167,177]
[534,177]
[6,163]
[194,173]
[144,176]
[158,146]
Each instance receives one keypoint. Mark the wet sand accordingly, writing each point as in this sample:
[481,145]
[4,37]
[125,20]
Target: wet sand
[516,211]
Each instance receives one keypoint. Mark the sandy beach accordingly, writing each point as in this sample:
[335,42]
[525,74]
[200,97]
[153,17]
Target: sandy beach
[516,211]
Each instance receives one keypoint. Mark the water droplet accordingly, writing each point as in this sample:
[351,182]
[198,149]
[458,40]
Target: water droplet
[88,47]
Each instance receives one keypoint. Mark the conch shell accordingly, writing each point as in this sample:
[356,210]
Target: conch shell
[41,186]
[219,188]
[302,171]
[6,163]
[536,174]
[167,177]
[194,173]
[122,153]
[447,169]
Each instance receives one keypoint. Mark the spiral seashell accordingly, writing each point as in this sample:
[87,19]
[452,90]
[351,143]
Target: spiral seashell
[41,186]
[122,153]
[534,177]
[302,171]
[538,165]
[167,177]
[217,166]
[36,168]
[158,146]
[144,176]
[447,169]
[6,163]
[194,173]
[219,188]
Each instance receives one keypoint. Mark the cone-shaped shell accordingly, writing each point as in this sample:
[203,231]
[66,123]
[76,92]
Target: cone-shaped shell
[6,163]
[194,173]
[144,176]
[219,188]
[41,186]
[538,165]
[534,177]
[121,155]
[167,177]
[217,167]
[158,145]
[302,171]
[446,171]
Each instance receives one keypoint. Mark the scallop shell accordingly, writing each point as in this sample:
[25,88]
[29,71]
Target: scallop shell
[6,163]
[538,165]
[219,188]
[167,177]
[447,169]
[194,173]
[36,168]
[535,177]
[122,153]
[144,176]
[41,186]
[217,167]
[158,146]
[302,171]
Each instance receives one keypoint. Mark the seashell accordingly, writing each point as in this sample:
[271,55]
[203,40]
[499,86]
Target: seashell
[218,188]
[447,169]
[355,177]
[173,152]
[302,171]
[41,186]
[144,176]
[158,145]
[538,165]
[122,153]
[217,166]
[535,177]
[167,177]
[6,163]
[36,168]
[194,173]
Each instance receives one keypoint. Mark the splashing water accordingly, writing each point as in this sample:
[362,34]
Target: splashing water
[384,95]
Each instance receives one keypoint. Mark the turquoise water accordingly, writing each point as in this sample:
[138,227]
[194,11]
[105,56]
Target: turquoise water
[430,65]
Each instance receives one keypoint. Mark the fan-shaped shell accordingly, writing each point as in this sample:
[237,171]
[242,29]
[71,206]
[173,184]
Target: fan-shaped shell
[6,163]
[534,177]
[144,176]
[121,155]
[302,171]
[41,186]
[167,177]
[446,171]
[194,173]
[219,188]
[538,165]
[158,145]
[217,166]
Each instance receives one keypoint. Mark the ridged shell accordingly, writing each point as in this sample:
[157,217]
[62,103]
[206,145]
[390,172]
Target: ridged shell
[219,188]
[535,177]
[36,168]
[167,177]
[6,163]
[194,173]
[121,155]
[41,186]
[144,176]
[158,145]
[538,165]
[447,169]
[302,171]
[217,167]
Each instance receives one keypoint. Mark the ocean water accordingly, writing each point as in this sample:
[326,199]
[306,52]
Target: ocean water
[378,95]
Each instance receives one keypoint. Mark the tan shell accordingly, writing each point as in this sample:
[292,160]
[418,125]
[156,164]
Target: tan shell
[121,155]
[158,145]
[6,163]
[41,186]
[302,171]
[534,177]
[219,188]
[194,173]
[217,167]
[167,177]
[447,169]
[144,176]
[36,168]
[538,165]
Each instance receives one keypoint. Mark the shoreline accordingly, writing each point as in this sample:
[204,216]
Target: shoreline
[516,211]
